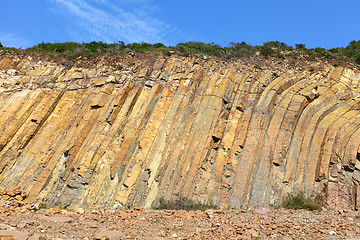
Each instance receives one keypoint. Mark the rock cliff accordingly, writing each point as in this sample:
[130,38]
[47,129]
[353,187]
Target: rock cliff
[133,129]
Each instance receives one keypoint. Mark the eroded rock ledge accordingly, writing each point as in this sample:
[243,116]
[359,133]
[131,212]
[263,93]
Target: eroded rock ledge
[137,129]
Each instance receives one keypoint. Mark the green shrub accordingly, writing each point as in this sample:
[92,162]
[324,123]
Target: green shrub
[56,47]
[201,48]
[69,51]
[300,46]
[335,50]
[278,45]
[320,52]
[352,49]
[96,46]
[301,202]
[182,204]
[1,45]
[267,51]
[357,58]
[241,49]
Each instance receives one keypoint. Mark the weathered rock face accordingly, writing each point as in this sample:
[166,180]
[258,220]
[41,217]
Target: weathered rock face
[166,127]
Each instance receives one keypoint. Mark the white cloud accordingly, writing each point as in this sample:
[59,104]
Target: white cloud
[105,21]
[11,40]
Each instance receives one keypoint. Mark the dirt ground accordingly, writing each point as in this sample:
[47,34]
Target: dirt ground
[170,224]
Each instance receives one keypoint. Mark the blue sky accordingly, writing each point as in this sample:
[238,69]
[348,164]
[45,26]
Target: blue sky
[328,24]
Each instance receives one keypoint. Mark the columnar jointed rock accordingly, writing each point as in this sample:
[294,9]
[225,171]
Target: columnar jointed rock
[166,127]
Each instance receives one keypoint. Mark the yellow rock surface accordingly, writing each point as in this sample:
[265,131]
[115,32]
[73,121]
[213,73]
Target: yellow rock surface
[162,127]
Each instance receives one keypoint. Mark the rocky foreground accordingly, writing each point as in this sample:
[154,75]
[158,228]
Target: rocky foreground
[170,224]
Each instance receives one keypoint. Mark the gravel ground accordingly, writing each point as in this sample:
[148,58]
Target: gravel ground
[170,224]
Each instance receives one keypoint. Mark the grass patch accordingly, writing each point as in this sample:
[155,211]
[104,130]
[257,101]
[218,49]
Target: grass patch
[182,204]
[301,202]
[42,204]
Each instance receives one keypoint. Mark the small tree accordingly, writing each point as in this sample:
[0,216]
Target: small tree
[1,45]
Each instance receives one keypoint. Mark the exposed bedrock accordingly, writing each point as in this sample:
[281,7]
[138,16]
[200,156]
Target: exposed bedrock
[136,129]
